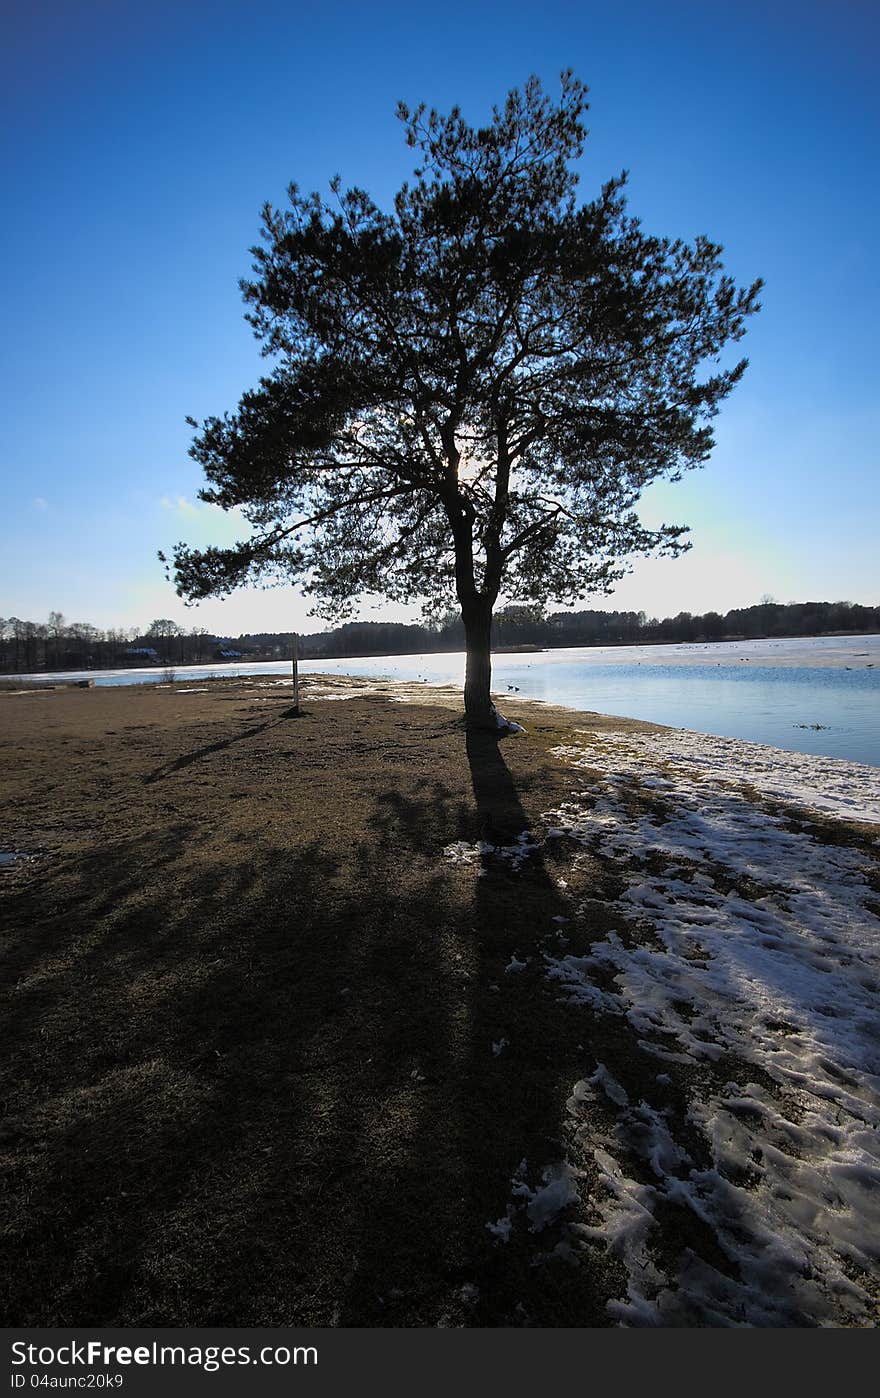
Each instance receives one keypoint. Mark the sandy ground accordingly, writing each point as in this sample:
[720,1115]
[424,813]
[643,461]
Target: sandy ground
[304,1022]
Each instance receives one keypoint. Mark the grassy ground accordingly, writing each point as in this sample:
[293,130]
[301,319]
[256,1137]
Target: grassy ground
[249,1012]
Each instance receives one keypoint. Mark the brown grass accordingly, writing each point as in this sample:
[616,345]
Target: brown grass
[249,1011]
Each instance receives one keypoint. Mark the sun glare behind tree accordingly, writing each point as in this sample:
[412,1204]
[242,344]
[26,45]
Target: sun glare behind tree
[471,391]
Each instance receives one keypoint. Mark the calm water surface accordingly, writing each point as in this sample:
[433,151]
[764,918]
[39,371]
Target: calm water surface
[830,710]
[762,704]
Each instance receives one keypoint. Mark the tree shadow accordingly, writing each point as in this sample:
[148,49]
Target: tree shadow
[252,1082]
[497,1056]
[499,808]
[174,1127]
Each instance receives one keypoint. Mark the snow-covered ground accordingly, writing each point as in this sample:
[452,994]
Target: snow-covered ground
[739,1182]
[849,790]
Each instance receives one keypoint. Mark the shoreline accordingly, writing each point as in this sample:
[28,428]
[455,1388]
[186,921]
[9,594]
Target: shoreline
[820,710]
[828,652]
[731,757]
[830,785]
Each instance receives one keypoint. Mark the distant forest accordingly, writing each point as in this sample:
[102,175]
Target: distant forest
[56,644]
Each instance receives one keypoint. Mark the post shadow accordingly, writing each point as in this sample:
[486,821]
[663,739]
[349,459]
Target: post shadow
[167,769]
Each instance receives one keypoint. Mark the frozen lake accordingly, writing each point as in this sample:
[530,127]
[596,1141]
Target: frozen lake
[815,695]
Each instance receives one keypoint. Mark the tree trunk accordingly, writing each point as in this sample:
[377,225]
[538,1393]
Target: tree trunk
[478,707]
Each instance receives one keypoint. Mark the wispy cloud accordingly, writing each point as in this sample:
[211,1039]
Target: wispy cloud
[201,523]
[179,505]
[184,508]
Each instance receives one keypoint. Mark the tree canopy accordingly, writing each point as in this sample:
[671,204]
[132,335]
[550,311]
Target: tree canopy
[471,390]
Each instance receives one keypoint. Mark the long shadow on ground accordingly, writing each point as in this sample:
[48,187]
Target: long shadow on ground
[258,1086]
[167,769]
[493,1059]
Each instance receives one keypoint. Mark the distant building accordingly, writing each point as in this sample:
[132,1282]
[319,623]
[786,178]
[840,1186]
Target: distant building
[224,654]
[144,653]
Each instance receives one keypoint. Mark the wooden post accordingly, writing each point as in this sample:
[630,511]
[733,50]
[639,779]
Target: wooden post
[294,657]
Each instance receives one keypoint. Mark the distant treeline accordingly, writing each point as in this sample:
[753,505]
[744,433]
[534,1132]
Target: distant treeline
[529,626]
[56,644]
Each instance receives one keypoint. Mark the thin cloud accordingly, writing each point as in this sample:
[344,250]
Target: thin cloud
[188,509]
[180,506]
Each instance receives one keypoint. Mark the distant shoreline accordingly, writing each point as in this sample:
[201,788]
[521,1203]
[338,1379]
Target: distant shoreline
[367,650]
[817,652]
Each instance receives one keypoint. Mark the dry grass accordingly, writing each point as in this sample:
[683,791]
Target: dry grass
[249,1011]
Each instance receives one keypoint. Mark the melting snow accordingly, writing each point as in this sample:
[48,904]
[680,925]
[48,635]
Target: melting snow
[850,790]
[506,725]
[462,853]
[556,1191]
[540,1206]
[754,945]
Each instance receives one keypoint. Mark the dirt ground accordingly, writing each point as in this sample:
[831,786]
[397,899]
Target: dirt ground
[250,1008]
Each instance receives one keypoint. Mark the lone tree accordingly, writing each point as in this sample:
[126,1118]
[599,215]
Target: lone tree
[470,392]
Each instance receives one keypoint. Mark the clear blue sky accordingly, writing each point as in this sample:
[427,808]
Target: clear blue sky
[140,141]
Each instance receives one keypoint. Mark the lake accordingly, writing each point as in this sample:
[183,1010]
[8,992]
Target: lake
[814,695]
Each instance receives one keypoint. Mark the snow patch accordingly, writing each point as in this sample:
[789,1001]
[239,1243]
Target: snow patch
[848,790]
[751,945]
[463,853]
[540,1205]
[556,1192]
[10,857]
[505,725]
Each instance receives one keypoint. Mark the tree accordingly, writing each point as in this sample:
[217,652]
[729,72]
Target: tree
[471,390]
[166,631]
[197,636]
[56,627]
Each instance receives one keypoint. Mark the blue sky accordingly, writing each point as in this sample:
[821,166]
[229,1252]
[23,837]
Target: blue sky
[140,142]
